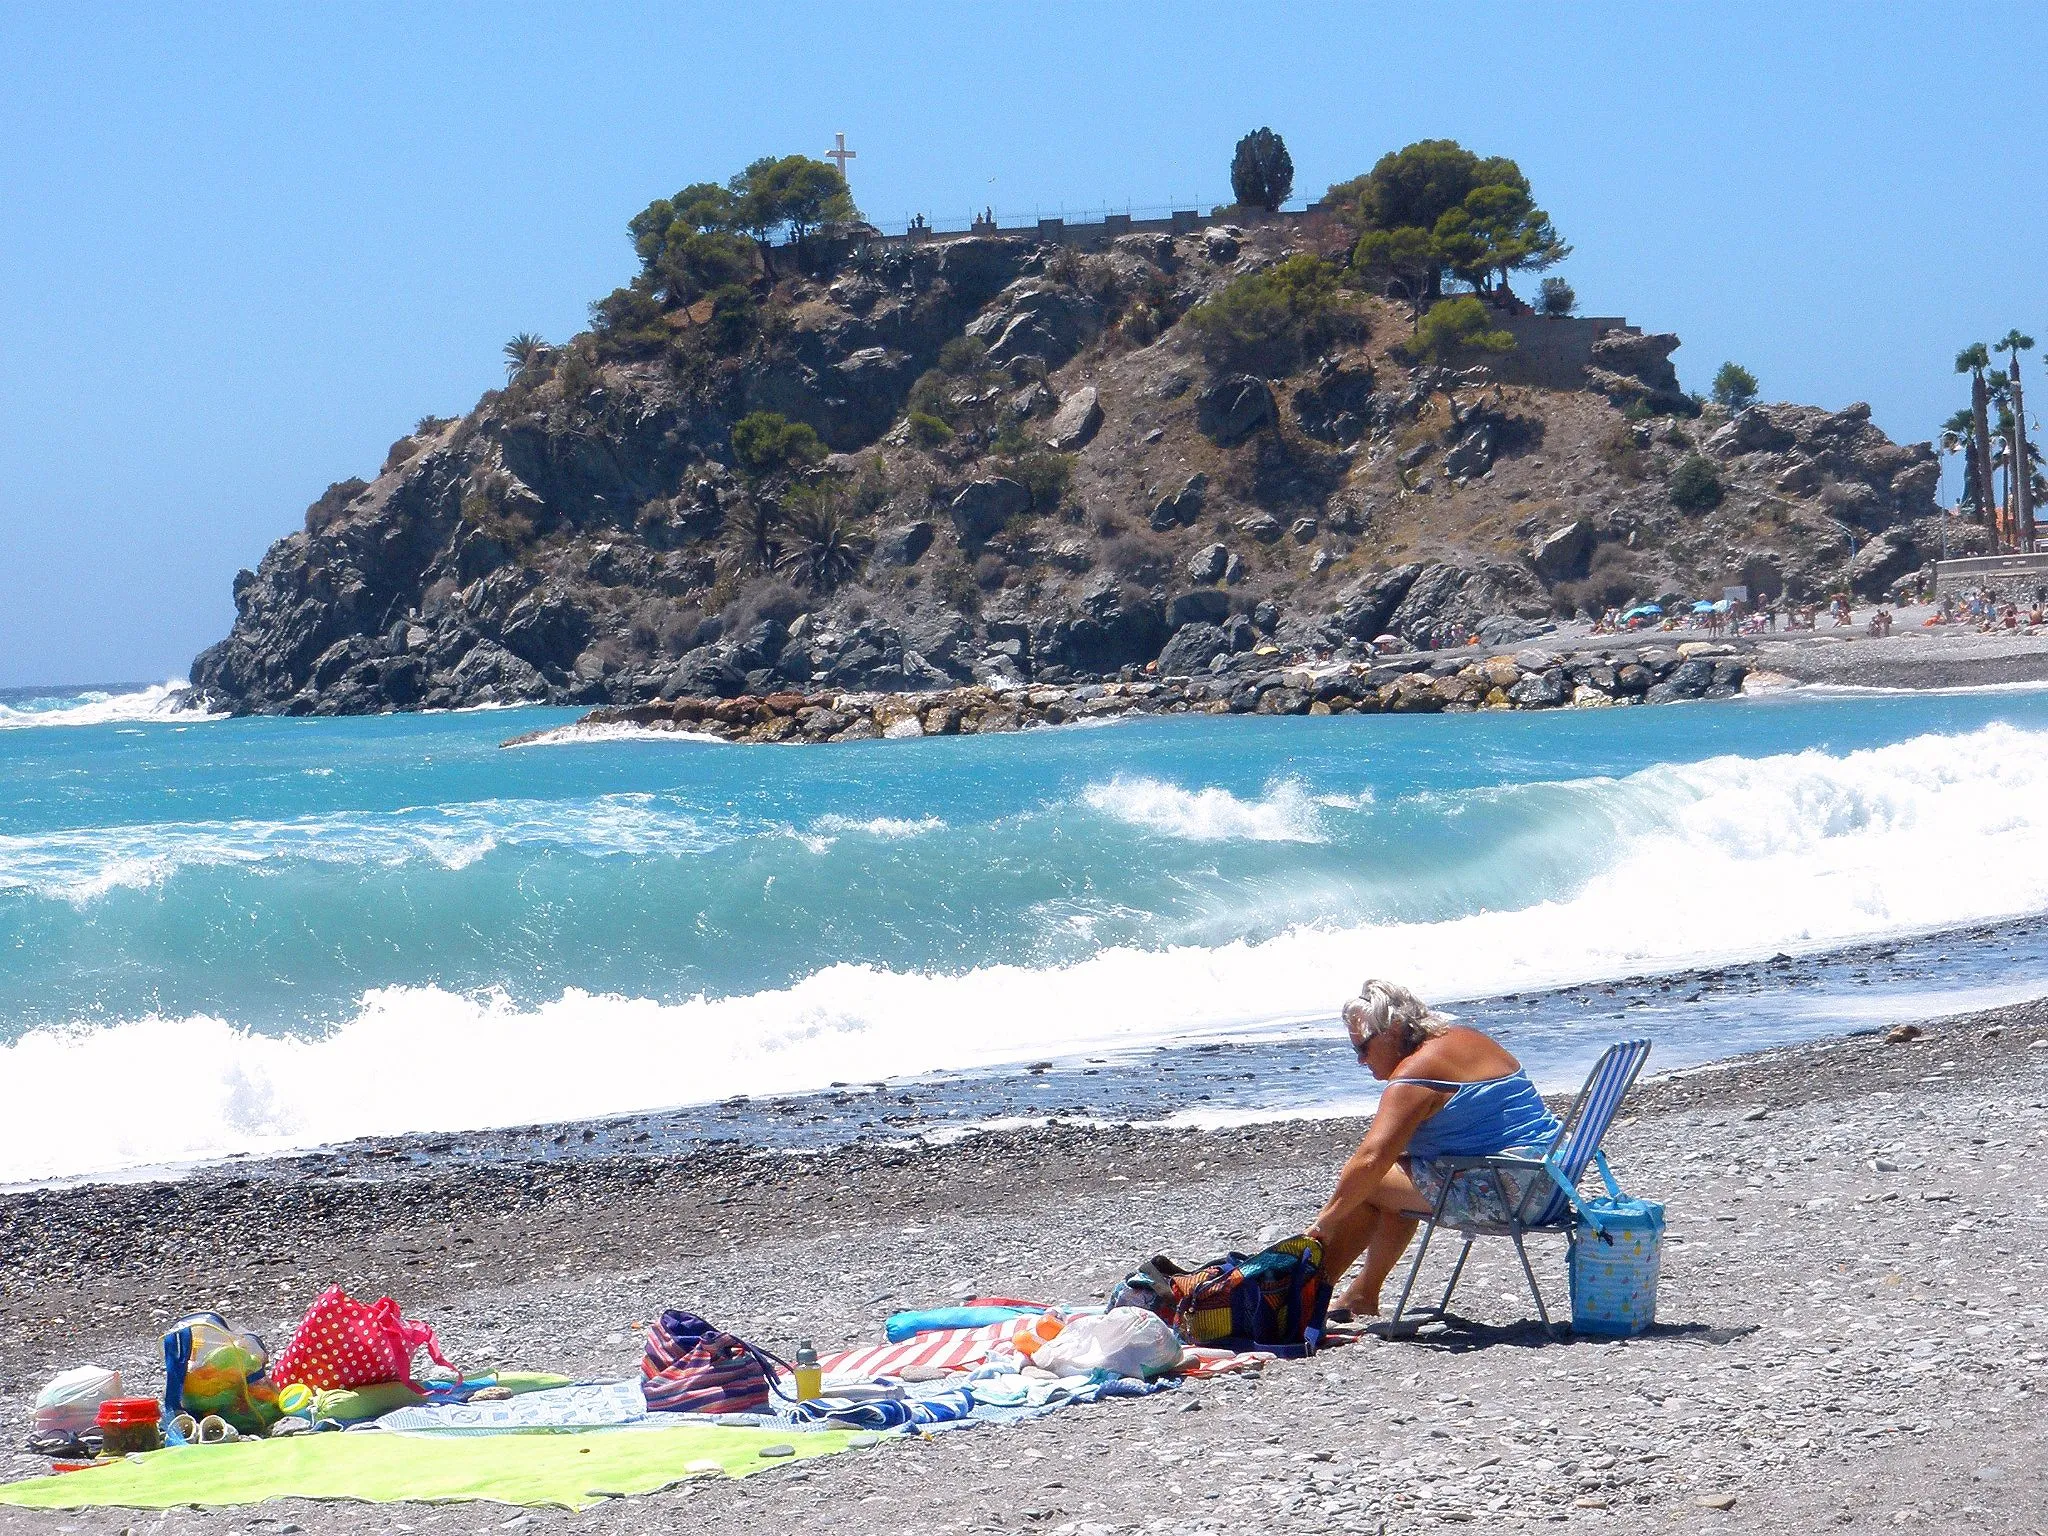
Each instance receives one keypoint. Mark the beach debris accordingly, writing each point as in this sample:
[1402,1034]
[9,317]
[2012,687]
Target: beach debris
[1899,1034]
[1717,1501]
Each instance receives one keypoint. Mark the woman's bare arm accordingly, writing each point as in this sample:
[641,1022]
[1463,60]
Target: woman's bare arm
[1403,1107]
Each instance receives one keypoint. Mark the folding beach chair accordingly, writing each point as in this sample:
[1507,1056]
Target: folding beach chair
[1546,1203]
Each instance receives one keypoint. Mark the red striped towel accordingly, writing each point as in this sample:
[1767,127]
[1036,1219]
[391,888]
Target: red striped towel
[949,1349]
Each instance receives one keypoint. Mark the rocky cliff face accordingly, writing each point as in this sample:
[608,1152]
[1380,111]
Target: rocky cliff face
[1079,496]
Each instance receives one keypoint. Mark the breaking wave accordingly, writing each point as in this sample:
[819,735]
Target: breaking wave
[1285,813]
[1711,861]
[93,706]
[78,866]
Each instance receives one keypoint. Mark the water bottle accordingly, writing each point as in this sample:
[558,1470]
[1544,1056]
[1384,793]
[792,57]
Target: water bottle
[810,1380]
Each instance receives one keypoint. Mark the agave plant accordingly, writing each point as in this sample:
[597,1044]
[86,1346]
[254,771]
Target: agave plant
[753,539]
[522,352]
[822,544]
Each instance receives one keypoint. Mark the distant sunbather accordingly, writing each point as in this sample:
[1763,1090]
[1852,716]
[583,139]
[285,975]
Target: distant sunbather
[1451,1091]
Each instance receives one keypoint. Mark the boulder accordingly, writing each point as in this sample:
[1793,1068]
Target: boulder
[1338,405]
[1506,629]
[1753,430]
[984,506]
[704,673]
[1369,605]
[1563,553]
[1191,649]
[1472,455]
[1411,694]
[1688,680]
[1540,690]
[1035,317]
[1183,506]
[492,674]
[1076,421]
[1205,605]
[903,544]
[1302,529]
[1881,562]
[1235,407]
[1208,563]
[1635,370]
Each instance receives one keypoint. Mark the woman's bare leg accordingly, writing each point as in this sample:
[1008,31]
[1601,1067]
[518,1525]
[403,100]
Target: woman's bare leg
[1389,1241]
[1381,1232]
[1343,1243]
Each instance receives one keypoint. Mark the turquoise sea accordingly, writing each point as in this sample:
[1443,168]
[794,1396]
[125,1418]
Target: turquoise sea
[224,936]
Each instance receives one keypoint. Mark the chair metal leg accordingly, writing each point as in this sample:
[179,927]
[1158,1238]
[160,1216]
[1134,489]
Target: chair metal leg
[1529,1273]
[1443,1307]
[1414,1269]
[1429,1224]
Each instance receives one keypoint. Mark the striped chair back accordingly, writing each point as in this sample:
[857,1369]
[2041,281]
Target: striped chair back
[1587,1122]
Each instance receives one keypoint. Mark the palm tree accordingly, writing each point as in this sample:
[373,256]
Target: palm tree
[823,545]
[522,352]
[1975,360]
[1958,435]
[2020,461]
[753,537]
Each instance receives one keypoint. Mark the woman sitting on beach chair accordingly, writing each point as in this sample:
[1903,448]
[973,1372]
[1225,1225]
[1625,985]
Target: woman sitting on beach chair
[1451,1092]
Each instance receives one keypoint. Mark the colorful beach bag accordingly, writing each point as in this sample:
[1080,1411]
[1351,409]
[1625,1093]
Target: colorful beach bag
[342,1342]
[1617,1249]
[692,1366]
[212,1367]
[1275,1300]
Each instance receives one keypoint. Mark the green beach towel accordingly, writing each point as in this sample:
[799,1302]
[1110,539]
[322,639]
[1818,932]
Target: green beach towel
[570,1471]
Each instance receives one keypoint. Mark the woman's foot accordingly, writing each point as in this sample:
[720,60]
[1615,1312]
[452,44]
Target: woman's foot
[1354,1304]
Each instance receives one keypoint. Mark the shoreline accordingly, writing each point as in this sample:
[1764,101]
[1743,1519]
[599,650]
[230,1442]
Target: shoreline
[1832,1205]
[1567,669]
[1202,1083]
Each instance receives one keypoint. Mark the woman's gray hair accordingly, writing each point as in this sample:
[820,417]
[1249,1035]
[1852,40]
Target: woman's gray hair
[1388,1008]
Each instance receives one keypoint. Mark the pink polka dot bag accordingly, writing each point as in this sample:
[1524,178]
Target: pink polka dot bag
[343,1342]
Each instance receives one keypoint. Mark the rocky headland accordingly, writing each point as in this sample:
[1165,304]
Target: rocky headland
[1031,470]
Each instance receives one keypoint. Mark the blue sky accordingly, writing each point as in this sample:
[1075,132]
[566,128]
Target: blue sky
[245,247]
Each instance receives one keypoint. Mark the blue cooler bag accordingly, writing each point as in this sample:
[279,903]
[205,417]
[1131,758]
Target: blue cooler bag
[1616,1247]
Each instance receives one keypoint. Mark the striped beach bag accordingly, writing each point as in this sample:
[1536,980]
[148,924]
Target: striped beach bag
[692,1366]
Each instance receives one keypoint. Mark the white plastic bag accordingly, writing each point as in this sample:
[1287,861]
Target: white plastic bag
[70,1404]
[1127,1341]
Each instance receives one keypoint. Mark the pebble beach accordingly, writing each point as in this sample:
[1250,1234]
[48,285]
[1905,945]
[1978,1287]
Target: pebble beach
[1851,1328]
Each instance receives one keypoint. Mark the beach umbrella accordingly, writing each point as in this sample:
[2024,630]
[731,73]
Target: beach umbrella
[1702,607]
[1644,611]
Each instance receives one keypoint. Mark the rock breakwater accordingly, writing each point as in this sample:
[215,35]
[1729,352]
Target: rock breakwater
[1427,683]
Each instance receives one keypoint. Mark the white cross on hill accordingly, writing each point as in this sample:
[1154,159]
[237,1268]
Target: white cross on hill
[840,153]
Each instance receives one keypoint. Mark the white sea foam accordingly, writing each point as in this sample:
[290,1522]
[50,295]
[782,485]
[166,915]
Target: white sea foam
[1285,813]
[83,865]
[580,735]
[95,707]
[892,827]
[1720,860]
